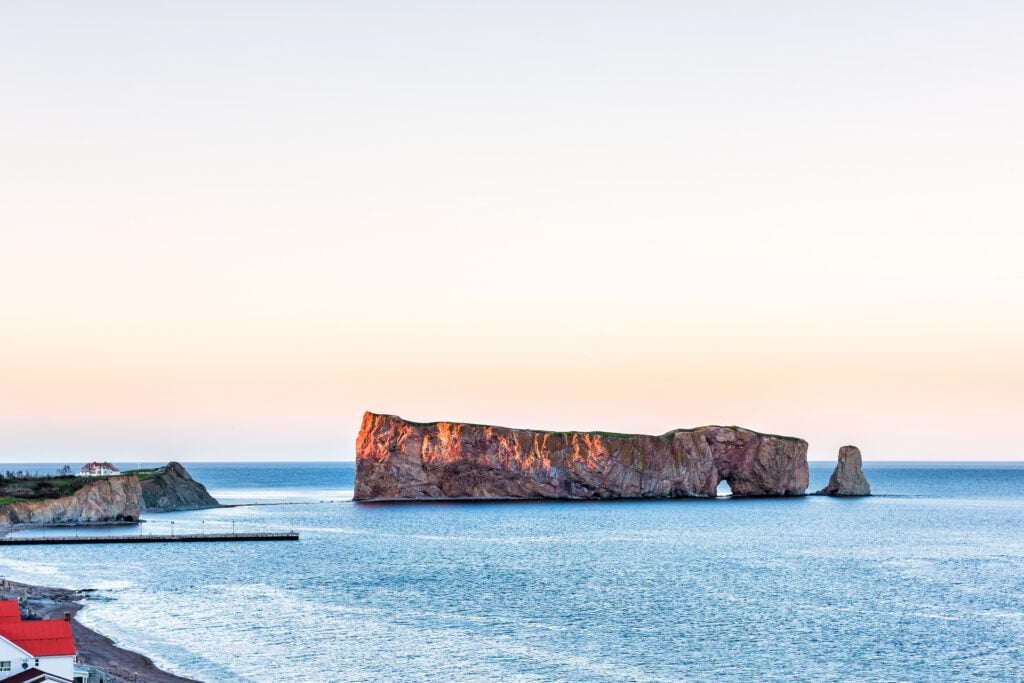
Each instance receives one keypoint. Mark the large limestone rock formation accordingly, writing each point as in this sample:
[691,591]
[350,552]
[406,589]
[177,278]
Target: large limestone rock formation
[173,488]
[401,460]
[117,499]
[847,479]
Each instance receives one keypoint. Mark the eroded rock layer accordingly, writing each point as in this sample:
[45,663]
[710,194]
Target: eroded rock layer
[173,488]
[401,460]
[847,479]
[117,499]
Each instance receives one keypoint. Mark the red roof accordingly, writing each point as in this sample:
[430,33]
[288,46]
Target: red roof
[46,638]
[9,611]
[100,465]
[34,676]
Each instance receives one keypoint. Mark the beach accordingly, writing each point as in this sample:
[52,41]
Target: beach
[94,649]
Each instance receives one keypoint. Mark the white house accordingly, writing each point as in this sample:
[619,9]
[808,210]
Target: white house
[31,651]
[98,469]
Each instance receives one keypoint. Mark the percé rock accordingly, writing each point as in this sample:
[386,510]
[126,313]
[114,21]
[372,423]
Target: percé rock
[847,479]
[173,488]
[117,499]
[401,460]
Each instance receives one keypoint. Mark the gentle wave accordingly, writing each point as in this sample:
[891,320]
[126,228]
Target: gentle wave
[823,589]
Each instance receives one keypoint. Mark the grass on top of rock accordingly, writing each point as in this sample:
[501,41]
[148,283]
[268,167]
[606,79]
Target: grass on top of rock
[620,435]
[773,436]
[737,428]
[617,435]
[36,488]
[16,487]
[144,473]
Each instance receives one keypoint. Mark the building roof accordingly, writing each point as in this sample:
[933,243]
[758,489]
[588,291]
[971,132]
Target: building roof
[9,611]
[99,466]
[34,675]
[44,638]
[47,638]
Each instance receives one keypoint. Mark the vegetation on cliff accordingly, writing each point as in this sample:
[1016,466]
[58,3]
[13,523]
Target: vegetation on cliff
[18,486]
[98,500]
[36,499]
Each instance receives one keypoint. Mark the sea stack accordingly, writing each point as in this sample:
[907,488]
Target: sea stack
[401,460]
[172,488]
[847,479]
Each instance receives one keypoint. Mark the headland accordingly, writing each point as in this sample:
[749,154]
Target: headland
[119,498]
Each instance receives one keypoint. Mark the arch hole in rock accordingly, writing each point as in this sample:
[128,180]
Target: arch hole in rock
[723,490]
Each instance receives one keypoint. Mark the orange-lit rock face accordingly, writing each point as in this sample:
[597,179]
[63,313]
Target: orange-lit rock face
[401,460]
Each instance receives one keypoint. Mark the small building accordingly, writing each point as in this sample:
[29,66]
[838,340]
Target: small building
[34,675]
[37,650]
[98,469]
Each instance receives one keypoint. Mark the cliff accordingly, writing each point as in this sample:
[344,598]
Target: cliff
[401,460]
[847,479]
[172,488]
[117,499]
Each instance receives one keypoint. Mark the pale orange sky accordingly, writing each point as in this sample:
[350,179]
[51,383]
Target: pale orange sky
[227,231]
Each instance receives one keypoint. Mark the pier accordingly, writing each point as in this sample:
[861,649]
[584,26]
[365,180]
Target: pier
[152,538]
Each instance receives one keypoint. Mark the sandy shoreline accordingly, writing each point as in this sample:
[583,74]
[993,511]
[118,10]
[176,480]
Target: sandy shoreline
[94,649]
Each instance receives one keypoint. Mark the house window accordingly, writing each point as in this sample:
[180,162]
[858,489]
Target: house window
[37,661]
[5,666]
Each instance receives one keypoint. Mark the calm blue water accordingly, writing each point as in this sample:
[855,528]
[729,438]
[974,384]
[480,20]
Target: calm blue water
[922,582]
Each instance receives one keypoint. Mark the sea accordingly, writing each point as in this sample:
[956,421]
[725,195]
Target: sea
[923,581]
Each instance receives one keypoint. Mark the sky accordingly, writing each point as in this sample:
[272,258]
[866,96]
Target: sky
[229,228]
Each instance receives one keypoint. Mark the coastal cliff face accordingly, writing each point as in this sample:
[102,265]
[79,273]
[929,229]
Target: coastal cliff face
[173,488]
[847,479]
[117,499]
[401,460]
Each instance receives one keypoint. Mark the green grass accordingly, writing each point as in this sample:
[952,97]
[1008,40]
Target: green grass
[67,485]
[43,487]
[143,474]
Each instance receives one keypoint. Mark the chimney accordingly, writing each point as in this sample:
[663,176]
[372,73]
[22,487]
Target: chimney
[67,616]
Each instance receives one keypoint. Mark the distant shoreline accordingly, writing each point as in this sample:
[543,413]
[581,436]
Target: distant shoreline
[94,649]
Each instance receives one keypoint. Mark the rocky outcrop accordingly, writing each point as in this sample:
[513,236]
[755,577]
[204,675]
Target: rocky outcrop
[117,499]
[173,488]
[401,460]
[847,479]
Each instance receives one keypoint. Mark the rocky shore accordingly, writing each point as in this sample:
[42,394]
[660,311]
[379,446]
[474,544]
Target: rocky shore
[113,500]
[94,649]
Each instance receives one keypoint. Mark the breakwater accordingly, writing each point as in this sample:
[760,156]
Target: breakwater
[152,538]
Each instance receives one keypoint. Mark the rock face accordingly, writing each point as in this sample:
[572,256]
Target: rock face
[847,479]
[401,460]
[117,499]
[173,488]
